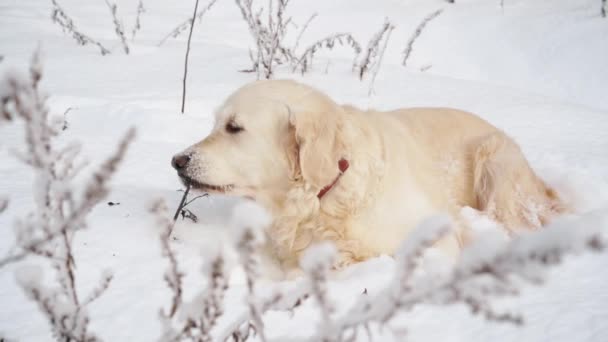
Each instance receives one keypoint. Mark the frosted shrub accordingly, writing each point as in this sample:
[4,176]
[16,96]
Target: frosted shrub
[60,209]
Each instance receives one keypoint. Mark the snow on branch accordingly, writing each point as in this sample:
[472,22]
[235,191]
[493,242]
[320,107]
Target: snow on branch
[487,270]
[60,208]
[189,320]
[60,17]
[410,43]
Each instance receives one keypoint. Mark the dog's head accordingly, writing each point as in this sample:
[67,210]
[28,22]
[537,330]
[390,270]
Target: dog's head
[268,135]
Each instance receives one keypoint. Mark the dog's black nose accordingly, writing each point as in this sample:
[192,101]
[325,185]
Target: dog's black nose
[180,162]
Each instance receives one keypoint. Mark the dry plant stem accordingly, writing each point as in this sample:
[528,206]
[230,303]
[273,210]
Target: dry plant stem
[268,36]
[187,55]
[140,10]
[410,44]
[312,17]
[371,52]
[118,27]
[379,63]
[604,9]
[60,17]
[186,24]
[305,60]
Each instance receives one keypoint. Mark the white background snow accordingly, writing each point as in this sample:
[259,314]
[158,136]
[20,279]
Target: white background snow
[537,69]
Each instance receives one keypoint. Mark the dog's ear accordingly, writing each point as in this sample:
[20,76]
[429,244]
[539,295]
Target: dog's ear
[320,143]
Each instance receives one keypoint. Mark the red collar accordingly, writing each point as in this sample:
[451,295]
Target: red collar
[343,166]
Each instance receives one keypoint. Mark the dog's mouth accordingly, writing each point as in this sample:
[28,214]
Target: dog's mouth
[204,186]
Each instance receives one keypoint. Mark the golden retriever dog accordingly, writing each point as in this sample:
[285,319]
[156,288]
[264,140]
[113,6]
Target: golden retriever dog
[361,179]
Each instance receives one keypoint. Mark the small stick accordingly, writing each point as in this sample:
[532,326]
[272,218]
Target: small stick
[195,198]
[182,203]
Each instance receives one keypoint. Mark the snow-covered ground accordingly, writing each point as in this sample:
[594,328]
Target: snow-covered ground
[535,69]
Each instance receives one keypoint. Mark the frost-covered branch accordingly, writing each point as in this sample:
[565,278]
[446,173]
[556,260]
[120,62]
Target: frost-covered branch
[410,43]
[118,27]
[60,208]
[186,24]
[60,17]
[195,319]
[489,269]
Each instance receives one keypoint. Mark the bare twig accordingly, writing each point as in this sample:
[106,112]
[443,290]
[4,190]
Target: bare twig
[187,55]
[410,44]
[182,203]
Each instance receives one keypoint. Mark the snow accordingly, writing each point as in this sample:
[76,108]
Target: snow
[250,217]
[318,256]
[535,69]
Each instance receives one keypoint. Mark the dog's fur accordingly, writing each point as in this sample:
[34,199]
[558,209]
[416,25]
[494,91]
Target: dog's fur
[404,165]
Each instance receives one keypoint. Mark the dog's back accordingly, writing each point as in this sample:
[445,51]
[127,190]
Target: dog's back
[472,163]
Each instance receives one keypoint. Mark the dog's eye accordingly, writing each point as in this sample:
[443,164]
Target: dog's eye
[233,128]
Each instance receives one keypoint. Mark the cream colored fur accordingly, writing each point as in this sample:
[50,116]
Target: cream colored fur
[405,165]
